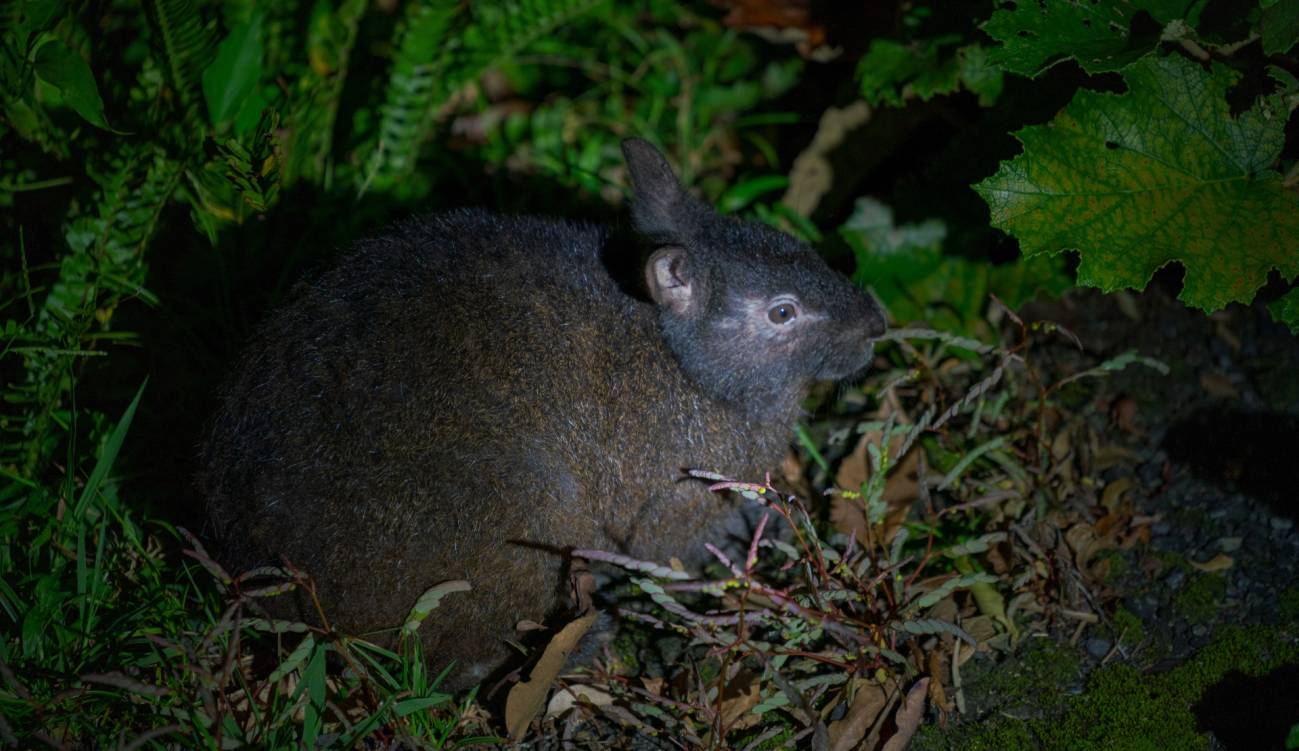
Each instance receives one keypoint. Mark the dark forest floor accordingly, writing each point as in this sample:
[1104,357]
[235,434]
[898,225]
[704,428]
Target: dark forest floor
[1214,463]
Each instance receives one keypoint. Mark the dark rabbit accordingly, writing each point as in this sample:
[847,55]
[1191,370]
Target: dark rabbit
[470,396]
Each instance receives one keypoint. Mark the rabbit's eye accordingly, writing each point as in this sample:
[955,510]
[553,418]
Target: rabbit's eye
[782,313]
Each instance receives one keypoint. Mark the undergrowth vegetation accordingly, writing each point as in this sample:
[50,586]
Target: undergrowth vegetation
[169,167]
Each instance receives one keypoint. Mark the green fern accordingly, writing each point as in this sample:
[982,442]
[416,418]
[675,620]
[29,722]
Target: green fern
[415,87]
[105,263]
[502,30]
[313,104]
[186,46]
[432,64]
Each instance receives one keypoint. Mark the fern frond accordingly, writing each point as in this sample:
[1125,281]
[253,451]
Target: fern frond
[104,264]
[187,45]
[414,89]
[433,64]
[504,29]
[313,104]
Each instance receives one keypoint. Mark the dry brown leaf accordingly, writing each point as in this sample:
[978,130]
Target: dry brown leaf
[777,14]
[982,628]
[1138,534]
[868,704]
[527,698]
[1127,303]
[1111,455]
[1220,562]
[937,694]
[909,716]
[1061,445]
[1061,449]
[1113,493]
[653,685]
[1111,523]
[1220,327]
[944,610]
[741,695]
[567,698]
[1124,414]
[1000,557]
[582,586]
[1219,385]
[1084,542]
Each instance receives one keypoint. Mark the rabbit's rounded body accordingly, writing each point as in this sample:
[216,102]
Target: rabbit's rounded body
[472,397]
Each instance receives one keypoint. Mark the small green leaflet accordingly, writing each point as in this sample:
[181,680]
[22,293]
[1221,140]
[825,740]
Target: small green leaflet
[965,581]
[233,74]
[1278,23]
[59,66]
[1285,310]
[1161,173]
[1036,35]
[892,72]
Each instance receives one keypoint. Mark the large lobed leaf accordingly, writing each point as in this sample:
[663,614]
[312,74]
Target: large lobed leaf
[1036,35]
[1161,173]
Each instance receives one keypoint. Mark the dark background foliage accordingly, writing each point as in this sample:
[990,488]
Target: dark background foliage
[170,168]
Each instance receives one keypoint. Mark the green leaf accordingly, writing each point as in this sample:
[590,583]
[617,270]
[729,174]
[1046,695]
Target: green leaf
[59,66]
[231,77]
[965,581]
[892,72]
[1036,35]
[915,281]
[419,704]
[38,15]
[979,75]
[108,454]
[889,66]
[747,191]
[1285,310]
[935,626]
[186,45]
[1161,173]
[430,600]
[1279,26]
[313,677]
[306,648]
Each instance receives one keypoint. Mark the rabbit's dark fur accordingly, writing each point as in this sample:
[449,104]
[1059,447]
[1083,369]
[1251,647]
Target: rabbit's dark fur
[470,396]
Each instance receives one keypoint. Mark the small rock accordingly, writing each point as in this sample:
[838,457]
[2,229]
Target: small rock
[1175,578]
[1151,474]
[1199,630]
[1229,544]
[1281,524]
[1098,647]
[1160,529]
[1144,608]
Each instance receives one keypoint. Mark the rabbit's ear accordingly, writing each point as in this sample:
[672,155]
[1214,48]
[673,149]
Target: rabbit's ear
[661,209]
[671,280]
